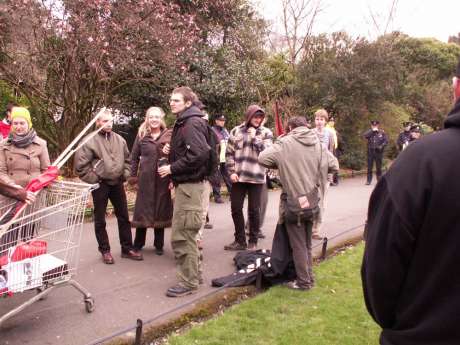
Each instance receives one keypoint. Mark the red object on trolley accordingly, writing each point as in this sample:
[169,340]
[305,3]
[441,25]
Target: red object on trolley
[45,179]
[25,251]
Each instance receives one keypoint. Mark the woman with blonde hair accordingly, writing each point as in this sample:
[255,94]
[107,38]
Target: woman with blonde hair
[153,207]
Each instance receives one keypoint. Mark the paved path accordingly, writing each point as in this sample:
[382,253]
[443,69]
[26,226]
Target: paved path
[129,290]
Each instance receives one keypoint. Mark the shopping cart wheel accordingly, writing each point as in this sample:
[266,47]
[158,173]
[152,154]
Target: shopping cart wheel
[40,290]
[89,305]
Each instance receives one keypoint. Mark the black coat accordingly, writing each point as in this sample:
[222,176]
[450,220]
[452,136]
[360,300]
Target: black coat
[412,257]
[190,151]
[376,140]
[154,207]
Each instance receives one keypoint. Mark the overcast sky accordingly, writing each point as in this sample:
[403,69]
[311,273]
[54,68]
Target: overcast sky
[417,18]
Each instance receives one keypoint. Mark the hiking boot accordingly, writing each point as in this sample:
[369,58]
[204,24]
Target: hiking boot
[179,290]
[235,246]
[133,255]
[294,285]
[252,246]
[107,258]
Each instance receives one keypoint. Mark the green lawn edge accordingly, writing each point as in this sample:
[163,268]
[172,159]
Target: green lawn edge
[331,313]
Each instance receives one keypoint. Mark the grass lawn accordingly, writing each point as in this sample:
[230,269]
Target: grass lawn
[331,313]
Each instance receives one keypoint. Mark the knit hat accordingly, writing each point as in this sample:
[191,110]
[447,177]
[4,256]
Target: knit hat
[23,113]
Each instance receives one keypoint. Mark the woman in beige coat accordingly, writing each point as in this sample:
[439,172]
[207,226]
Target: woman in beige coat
[23,155]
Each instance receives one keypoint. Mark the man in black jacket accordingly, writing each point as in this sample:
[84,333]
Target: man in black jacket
[189,166]
[410,265]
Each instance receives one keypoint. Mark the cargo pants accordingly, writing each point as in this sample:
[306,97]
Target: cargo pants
[187,221]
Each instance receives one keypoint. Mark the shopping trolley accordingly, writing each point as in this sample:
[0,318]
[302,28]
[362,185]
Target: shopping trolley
[40,250]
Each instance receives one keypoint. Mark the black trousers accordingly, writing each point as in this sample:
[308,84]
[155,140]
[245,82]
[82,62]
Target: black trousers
[374,155]
[223,174]
[117,196]
[239,191]
[158,241]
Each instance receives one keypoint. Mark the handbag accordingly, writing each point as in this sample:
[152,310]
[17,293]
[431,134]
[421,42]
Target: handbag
[302,208]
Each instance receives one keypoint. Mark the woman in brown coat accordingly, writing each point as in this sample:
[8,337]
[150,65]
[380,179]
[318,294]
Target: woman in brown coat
[154,207]
[23,155]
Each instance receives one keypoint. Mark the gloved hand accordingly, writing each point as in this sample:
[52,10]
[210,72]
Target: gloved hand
[132,180]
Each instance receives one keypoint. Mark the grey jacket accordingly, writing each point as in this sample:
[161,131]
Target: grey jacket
[297,156]
[105,158]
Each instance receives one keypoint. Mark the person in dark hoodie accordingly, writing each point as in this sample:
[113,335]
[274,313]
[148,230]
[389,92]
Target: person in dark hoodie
[245,143]
[409,270]
[189,167]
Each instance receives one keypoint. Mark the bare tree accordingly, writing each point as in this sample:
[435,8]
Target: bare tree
[299,17]
[383,23]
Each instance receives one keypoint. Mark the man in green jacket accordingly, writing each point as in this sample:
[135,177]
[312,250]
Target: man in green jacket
[104,159]
[299,177]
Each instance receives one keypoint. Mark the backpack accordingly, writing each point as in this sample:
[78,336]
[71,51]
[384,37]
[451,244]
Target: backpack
[214,161]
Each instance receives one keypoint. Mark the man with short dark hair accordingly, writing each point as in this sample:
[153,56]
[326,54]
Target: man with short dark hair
[300,177]
[411,260]
[376,142]
[189,160]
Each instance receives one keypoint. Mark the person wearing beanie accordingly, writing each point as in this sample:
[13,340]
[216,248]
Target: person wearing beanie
[245,143]
[410,264]
[23,155]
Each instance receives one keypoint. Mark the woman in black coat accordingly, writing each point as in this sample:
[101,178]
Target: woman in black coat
[154,207]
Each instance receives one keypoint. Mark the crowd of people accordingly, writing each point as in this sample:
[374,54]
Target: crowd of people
[174,172]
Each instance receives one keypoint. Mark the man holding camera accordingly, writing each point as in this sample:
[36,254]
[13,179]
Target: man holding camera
[376,142]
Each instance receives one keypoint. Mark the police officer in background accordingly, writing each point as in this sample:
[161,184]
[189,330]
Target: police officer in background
[376,142]
[405,136]
[415,133]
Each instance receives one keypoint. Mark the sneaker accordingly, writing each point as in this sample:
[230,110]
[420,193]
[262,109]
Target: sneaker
[235,246]
[208,226]
[133,255]
[294,285]
[107,258]
[252,246]
[179,290]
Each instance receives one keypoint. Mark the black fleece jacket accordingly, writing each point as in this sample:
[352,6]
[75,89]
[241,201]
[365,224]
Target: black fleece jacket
[190,151]
[411,264]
